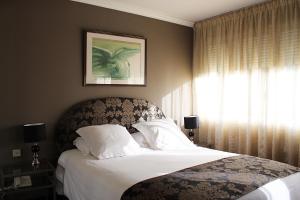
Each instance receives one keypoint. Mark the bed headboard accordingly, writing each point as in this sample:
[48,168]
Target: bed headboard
[110,110]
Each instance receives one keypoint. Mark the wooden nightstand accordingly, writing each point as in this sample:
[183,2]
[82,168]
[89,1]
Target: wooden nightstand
[42,182]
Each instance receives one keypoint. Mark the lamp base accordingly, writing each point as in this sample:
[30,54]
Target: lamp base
[35,150]
[191,135]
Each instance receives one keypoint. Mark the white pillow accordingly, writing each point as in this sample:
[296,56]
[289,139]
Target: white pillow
[109,141]
[163,134]
[140,139]
[82,146]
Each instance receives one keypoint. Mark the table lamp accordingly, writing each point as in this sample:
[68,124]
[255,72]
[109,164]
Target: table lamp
[191,123]
[34,133]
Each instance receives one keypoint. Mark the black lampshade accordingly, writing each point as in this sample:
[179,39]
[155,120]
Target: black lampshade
[191,122]
[34,132]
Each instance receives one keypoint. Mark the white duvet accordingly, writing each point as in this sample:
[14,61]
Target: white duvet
[87,178]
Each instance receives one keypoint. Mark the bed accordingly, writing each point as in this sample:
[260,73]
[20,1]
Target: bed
[197,173]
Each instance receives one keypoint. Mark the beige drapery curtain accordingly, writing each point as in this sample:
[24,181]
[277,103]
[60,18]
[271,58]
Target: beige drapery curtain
[246,81]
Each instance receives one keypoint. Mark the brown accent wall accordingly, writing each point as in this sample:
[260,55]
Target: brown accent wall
[41,63]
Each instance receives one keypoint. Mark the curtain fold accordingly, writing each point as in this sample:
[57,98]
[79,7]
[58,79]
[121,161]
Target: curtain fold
[246,81]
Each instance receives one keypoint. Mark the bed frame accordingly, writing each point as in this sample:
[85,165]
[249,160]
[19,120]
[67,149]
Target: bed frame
[110,110]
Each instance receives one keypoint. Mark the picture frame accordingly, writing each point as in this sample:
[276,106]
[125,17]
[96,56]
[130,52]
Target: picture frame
[114,59]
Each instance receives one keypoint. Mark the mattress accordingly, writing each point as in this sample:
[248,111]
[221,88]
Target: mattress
[281,189]
[59,173]
[87,178]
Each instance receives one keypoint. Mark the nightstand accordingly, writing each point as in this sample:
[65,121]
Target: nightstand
[210,146]
[41,185]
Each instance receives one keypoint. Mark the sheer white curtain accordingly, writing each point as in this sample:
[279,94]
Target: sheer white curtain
[246,79]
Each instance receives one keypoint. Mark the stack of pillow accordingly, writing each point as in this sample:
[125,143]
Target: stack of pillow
[110,140]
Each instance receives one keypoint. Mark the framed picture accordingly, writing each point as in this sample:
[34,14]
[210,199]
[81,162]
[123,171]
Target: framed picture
[114,59]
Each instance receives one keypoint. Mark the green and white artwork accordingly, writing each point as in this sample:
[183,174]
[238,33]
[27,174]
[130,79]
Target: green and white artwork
[113,59]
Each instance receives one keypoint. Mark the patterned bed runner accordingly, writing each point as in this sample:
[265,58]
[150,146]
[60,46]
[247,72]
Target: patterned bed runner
[228,178]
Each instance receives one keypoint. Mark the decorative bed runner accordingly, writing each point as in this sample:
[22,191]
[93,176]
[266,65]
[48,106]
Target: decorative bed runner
[228,178]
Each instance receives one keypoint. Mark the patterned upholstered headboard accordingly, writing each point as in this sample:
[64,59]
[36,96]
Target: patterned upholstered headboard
[110,110]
